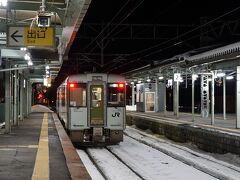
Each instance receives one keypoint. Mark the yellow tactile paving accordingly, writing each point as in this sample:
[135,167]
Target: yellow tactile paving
[41,168]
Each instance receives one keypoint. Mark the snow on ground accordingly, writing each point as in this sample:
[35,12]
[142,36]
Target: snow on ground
[206,163]
[92,170]
[112,168]
[152,164]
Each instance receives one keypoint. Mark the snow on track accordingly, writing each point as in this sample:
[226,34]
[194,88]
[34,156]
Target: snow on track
[92,170]
[111,167]
[152,164]
[203,162]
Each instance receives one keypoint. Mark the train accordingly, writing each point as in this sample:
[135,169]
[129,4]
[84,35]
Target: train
[92,108]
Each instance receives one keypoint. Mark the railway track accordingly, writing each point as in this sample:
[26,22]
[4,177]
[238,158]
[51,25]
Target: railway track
[144,157]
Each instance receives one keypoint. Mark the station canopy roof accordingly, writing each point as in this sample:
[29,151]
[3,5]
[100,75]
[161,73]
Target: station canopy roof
[18,18]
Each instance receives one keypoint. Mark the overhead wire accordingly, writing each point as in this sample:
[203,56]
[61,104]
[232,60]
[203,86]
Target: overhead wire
[109,23]
[157,51]
[177,37]
[128,14]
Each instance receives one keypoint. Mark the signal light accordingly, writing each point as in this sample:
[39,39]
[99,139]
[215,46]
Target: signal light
[71,85]
[121,85]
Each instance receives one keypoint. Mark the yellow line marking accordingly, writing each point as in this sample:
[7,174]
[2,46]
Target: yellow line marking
[41,168]
[18,146]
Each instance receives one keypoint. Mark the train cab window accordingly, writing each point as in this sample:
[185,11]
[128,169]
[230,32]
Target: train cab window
[77,93]
[116,94]
[96,96]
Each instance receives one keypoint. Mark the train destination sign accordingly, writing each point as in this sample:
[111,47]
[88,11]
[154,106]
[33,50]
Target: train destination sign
[20,36]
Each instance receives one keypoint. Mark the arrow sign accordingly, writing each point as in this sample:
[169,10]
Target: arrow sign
[14,36]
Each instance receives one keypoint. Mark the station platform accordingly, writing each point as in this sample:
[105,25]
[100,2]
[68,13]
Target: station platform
[220,137]
[39,148]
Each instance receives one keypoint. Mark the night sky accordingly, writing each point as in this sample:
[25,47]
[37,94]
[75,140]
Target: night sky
[180,24]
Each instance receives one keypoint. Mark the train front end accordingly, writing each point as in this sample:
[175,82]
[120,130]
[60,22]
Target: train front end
[96,109]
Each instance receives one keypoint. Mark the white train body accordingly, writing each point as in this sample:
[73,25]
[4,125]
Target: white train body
[92,107]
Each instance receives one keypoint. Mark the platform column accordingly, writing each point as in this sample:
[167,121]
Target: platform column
[15,98]
[133,94]
[238,98]
[212,99]
[7,99]
[157,95]
[176,98]
[29,97]
[162,97]
[224,97]
[21,88]
[25,90]
[193,102]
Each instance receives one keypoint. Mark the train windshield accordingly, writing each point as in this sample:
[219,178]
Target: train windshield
[116,94]
[77,94]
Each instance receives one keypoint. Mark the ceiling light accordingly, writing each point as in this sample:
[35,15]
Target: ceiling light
[30,63]
[3,3]
[160,77]
[229,77]
[221,74]
[194,77]
[23,49]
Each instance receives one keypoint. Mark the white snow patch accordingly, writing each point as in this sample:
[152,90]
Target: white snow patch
[201,161]
[153,164]
[92,170]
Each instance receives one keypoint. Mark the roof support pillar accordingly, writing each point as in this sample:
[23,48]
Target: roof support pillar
[238,98]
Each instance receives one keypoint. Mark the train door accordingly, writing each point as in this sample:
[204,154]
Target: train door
[97,105]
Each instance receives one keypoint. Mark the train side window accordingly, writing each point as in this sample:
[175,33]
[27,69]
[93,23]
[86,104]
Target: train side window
[78,95]
[116,95]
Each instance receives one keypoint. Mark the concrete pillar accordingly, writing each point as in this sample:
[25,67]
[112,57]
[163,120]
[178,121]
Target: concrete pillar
[25,90]
[238,98]
[193,102]
[21,104]
[157,95]
[15,98]
[176,98]
[29,97]
[133,95]
[162,97]
[224,97]
[7,99]
[212,99]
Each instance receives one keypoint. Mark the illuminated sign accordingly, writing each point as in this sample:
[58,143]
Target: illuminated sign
[26,36]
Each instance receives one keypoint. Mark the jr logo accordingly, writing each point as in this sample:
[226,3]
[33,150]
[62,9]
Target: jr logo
[116,114]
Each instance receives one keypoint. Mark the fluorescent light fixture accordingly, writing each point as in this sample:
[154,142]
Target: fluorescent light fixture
[45,81]
[30,63]
[3,3]
[23,49]
[221,74]
[27,57]
[194,77]
[139,81]
[229,77]
[132,82]
[47,67]
[148,80]
[160,77]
